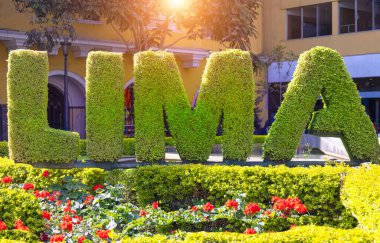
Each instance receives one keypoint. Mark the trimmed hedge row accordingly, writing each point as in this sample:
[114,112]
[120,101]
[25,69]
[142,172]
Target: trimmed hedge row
[227,89]
[17,204]
[105,105]
[321,71]
[299,234]
[18,236]
[31,139]
[182,186]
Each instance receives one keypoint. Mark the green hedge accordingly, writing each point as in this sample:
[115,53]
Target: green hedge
[22,173]
[30,138]
[104,106]
[181,186]
[362,195]
[314,234]
[227,88]
[17,204]
[321,71]
[18,236]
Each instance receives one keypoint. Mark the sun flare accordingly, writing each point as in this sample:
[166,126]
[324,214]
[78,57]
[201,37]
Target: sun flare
[176,4]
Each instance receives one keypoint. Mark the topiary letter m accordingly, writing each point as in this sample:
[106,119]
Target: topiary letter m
[227,91]
[321,71]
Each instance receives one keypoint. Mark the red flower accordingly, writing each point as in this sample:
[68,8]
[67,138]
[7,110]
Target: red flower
[28,186]
[57,238]
[6,179]
[155,205]
[231,204]
[45,173]
[194,208]
[67,218]
[57,193]
[208,207]
[143,213]
[46,215]
[96,187]
[88,199]
[291,202]
[293,226]
[249,231]
[275,199]
[280,205]
[81,239]
[19,225]
[52,199]
[103,234]
[206,218]
[251,209]
[3,226]
[77,219]
[301,208]
[58,202]
[65,225]
[41,194]
[268,213]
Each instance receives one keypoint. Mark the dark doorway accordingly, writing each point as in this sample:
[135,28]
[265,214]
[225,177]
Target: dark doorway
[55,107]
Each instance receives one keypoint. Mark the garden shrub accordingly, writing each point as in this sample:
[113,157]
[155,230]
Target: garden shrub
[298,234]
[22,173]
[4,152]
[104,106]
[180,186]
[321,71]
[17,236]
[17,204]
[362,195]
[227,89]
[31,139]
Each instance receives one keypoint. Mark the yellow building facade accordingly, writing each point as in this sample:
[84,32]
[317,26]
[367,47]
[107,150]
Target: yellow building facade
[352,27]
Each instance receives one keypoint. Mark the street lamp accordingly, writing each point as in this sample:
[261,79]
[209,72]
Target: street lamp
[65,49]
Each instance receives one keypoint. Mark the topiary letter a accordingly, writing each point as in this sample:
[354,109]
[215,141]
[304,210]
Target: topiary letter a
[30,137]
[321,71]
[227,90]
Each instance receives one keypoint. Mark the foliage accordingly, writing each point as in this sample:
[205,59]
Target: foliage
[17,236]
[178,186]
[22,173]
[321,71]
[30,138]
[16,204]
[230,22]
[104,106]
[362,195]
[4,152]
[227,89]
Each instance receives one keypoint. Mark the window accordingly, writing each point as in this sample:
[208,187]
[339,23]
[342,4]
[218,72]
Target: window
[310,21]
[359,15]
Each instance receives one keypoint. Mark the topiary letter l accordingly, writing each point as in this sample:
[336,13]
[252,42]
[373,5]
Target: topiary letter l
[227,91]
[321,71]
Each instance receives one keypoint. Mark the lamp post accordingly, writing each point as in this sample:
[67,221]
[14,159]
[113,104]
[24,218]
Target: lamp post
[65,49]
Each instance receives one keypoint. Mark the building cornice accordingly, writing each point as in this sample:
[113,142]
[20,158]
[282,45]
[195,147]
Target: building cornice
[190,57]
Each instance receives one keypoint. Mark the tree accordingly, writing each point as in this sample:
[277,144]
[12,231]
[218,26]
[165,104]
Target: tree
[231,23]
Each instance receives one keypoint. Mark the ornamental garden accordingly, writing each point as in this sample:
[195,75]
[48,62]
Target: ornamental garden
[189,201]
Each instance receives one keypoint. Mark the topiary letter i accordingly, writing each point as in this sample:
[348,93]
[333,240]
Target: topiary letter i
[321,71]
[227,90]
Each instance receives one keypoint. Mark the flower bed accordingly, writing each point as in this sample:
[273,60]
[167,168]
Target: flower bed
[97,205]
